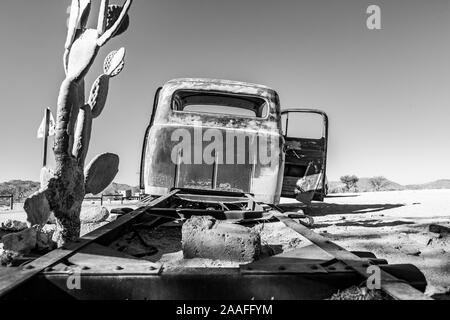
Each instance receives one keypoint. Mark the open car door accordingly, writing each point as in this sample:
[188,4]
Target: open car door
[306,138]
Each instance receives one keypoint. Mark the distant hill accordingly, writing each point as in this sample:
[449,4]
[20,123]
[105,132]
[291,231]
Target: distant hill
[365,185]
[115,188]
[22,189]
[438,184]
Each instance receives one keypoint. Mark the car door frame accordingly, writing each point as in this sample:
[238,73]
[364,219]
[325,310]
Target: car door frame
[325,133]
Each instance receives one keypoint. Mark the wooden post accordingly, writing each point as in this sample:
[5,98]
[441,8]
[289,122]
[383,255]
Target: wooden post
[46,132]
[12,202]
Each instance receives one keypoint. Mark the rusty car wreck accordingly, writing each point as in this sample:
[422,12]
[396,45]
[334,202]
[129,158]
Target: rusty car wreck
[237,111]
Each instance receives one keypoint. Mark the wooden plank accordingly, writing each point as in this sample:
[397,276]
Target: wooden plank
[394,287]
[11,278]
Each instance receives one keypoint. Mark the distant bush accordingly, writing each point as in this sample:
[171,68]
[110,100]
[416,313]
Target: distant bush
[379,183]
[350,182]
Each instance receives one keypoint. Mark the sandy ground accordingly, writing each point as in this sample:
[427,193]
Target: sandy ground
[392,225]
[19,214]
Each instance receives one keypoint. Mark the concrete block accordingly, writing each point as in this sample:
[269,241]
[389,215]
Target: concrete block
[206,237]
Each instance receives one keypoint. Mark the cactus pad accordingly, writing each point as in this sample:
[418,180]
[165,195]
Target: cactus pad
[72,23]
[113,14]
[83,51]
[83,133]
[85,9]
[37,208]
[114,62]
[99,94]
[101,172]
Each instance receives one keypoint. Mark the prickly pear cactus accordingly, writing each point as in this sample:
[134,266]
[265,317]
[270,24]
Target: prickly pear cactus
[63,189]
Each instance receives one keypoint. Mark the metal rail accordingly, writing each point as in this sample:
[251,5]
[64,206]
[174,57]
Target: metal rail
[394,287]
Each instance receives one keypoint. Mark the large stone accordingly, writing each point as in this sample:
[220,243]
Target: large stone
[206,237]
[6,257]
[94,215]
[44,240]
[23,241]
[13,225]
[37,208]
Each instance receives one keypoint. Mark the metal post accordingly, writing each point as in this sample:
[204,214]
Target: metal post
[214,173]
[176,178]
[46,132]
[12,202]
[101,200]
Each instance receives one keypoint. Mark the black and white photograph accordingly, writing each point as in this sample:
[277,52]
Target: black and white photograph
[224,154]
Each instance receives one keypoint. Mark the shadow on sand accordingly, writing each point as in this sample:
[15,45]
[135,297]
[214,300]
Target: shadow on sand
[323,209]
[365,223]
[342,196]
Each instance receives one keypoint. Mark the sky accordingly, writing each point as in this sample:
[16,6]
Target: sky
[386,91]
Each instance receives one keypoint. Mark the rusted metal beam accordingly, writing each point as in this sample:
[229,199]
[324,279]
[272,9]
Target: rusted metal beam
[394,287]
[12,278]
[219,284]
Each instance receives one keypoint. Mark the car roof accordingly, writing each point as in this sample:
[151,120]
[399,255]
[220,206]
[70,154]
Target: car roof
[227,85]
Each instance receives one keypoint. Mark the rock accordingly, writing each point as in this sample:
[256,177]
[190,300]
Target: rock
[94,215]
[22,242]
[412,252]
[6,257]
[13,225]
[44,240]
[358,293]
[37,208]
[113,217]
[206,237]
[51,219]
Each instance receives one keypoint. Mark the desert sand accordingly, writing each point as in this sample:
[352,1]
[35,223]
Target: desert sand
[393,225]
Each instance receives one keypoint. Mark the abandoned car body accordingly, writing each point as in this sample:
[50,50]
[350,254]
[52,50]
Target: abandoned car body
[227,135]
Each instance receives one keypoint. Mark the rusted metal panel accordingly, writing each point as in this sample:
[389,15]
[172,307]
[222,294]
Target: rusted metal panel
[201,284]
[161,172]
